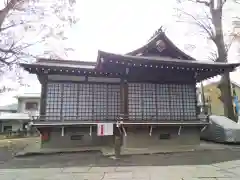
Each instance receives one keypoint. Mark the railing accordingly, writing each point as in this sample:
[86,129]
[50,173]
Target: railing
[121,117]
[72,118]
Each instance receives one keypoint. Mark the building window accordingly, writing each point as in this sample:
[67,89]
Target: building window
[31,106]
[7,128]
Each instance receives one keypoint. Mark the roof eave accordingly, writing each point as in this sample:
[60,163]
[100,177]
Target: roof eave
[46,60]
[26,67]
[39,68]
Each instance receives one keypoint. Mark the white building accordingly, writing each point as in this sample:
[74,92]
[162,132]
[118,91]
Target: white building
[14,117]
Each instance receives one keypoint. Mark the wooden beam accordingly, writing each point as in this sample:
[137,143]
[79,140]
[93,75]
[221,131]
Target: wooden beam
[43,79]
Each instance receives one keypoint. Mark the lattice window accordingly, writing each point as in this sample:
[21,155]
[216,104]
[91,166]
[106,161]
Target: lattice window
[70,101]
[53,104]
[73,101]
[176,101]
[85,104]
[106,101]
[189,100]
[149,101]
[134,101]
[162,101]
[100,101]
[113,104]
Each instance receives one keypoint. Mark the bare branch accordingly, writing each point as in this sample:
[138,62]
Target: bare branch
[9,6]
[212,56]
[196,1]
[12,50]
[5,89]
[7,27]
[203,2]
[228,45]
[206,27]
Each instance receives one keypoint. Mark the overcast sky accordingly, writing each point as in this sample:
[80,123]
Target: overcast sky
[122,26]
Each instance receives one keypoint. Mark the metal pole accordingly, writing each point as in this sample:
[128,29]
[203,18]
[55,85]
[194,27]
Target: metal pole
[203,98]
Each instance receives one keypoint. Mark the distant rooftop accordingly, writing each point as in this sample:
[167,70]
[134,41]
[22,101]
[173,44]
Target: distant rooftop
[9,107]
[28,95]
[14,116]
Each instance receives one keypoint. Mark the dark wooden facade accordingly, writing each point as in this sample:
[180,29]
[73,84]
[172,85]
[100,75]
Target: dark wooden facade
[152,86]
[76,94]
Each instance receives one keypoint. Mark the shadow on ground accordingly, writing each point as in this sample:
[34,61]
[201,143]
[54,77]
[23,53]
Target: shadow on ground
[96,159]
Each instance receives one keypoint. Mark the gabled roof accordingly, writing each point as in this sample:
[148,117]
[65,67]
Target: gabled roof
[171,50]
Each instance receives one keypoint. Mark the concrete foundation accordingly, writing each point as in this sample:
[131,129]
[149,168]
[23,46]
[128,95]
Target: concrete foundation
[164,136]
[136,138]
[76,137]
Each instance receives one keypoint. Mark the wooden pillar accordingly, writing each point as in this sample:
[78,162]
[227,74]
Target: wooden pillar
[124,114]
[125,99]
[117,146]
[43,79]
[203,99]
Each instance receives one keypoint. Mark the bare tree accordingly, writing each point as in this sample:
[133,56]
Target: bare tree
[210,23]
[19,18]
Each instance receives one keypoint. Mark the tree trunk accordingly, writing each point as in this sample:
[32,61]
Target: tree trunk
[4,12]
[225,83]
[226,94]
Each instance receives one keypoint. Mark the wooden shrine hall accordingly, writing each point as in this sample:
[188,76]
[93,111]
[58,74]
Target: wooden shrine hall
[145,98]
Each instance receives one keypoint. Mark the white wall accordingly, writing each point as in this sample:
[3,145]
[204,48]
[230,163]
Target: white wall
[15,125]
[23,101]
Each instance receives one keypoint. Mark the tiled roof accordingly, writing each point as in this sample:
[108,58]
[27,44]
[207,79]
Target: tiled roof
[65,63]
[167,60]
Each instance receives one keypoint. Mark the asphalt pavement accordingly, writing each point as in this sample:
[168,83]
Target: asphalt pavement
[208,165]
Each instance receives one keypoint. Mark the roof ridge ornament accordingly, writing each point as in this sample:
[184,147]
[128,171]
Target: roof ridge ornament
[156,33]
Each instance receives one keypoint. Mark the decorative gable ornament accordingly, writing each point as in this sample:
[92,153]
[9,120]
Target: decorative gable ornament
[160,45]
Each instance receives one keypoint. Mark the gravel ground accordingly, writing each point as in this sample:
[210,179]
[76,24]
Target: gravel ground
[9,147]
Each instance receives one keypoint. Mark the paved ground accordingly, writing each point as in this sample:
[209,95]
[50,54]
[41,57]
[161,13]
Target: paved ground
[207,165]
[9,147]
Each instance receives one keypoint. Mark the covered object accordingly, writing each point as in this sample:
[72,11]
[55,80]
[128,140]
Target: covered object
[221,129]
